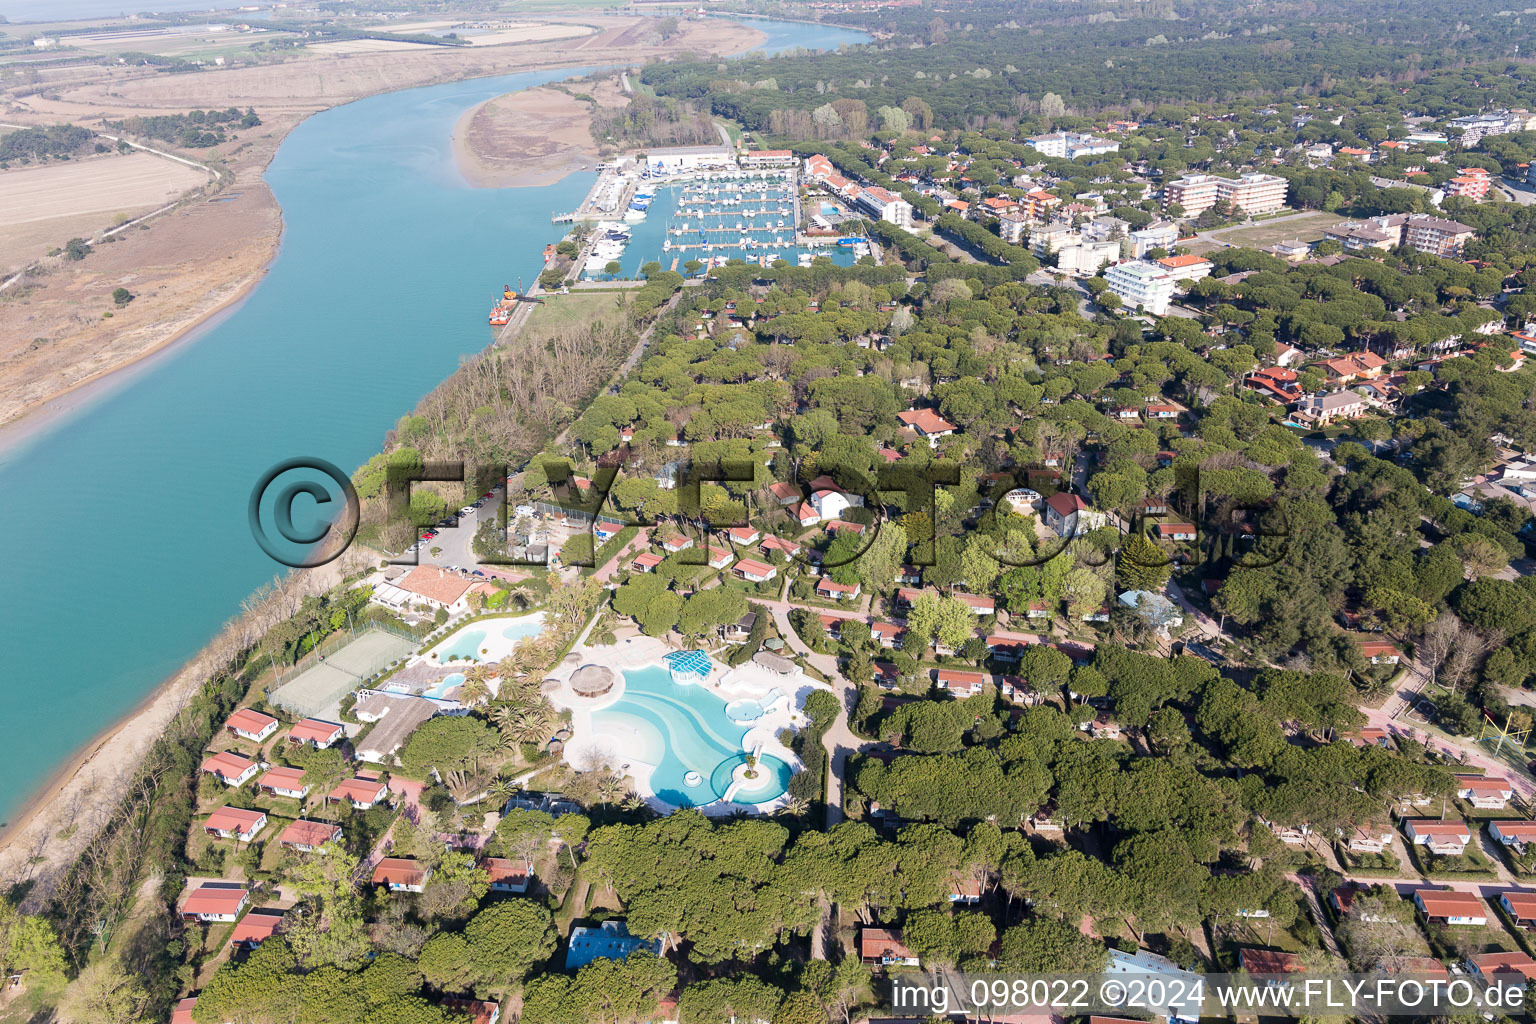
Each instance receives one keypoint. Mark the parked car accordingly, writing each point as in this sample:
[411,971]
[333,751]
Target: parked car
[467,510]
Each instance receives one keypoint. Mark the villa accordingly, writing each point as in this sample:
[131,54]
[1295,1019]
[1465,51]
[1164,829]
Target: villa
[608,941]
[431,586]
[926,423]
[304,836]
[285,781]
[316,733]
[231,769]
[251,725]
[235,823]
[883,946]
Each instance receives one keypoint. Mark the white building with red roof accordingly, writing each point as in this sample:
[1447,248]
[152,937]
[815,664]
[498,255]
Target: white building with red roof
[251,725]
[230,768]
[235,823]
[1484,791]
[317,732]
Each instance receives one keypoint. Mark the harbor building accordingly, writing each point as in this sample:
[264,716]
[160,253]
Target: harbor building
[678,159]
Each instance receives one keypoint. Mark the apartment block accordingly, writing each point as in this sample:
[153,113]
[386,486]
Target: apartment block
[1142,284]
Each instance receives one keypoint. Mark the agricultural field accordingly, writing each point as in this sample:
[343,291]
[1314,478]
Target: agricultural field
[42,207]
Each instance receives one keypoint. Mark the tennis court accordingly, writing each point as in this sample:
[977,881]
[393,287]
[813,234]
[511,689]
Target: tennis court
[323,684]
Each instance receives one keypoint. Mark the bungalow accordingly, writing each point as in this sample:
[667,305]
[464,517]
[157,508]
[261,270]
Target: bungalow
[305,836]
[316,732]
[980,604]
[1176,531]
[960,684]
[886,675]
[770,544]
[1343,900]
[478,1011]
[675,543]
[183,1012]
[1162,412]
[1520,906]
[1367,837]
[1484,791]
[965,889]
[1379,652]
[506,875]
[401,874]
[235,823]
[1488,966]
[927,424]
[844,526]
[1291,835]
[831,590]
[285,781]
[604,532]
[231,769]
[645,561]
[1450,906]
[1446,838]
[883,946]
[1007,646]
[806,514]
[360,793]
[1370,736]
[743,535]
[1513,833]
[783,493]
[251,725]
[1104,728]
[1269,961]
[754,572]
[1016,690]
[738,631]
[832,625]
[718,558]
[215,901]
[255,928]
[887,634]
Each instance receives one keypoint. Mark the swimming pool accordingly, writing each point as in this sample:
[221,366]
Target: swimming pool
[682,730]
[442,686]
[465,645]
[490,639]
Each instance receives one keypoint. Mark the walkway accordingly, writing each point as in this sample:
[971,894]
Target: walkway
[838,740]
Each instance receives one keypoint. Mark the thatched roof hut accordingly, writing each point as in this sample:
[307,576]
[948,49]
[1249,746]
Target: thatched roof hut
[592,680]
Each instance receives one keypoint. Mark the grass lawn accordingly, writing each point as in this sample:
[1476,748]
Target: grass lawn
[1471,864]
[560,313]
[1308,227]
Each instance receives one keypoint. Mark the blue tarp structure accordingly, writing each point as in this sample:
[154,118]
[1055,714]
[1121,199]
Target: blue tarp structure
[688,666]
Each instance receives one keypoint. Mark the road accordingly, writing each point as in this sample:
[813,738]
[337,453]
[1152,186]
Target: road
[1518,191]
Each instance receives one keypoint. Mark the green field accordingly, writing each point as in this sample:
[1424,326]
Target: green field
[562,312]
[1307,227]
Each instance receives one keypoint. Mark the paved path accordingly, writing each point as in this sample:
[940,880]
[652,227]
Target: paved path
[1308,888]
[838,739]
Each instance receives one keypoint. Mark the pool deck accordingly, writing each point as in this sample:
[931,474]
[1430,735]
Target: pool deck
[591,742]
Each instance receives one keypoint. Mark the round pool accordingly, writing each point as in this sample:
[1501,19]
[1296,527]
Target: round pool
[743,711]
[771,782]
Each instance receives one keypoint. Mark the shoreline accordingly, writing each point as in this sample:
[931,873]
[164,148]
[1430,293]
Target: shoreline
[115,751]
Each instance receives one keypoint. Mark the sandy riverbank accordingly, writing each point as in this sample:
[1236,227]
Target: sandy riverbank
[530,138]
[189,264]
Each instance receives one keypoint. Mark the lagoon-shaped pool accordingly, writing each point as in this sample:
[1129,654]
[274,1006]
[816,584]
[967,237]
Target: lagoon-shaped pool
[685,732]
[490,639]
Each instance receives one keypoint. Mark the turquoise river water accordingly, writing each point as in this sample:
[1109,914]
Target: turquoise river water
[126,518]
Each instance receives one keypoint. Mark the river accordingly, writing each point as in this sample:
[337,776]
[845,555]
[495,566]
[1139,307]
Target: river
[126,518]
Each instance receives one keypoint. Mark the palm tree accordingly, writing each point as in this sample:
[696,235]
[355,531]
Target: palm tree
[794,807]
[609,787]
[476,686]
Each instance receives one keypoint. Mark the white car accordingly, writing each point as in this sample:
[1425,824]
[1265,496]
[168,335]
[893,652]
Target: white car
[523,510]
[467,510]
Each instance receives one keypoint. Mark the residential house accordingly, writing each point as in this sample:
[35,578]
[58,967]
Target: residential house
[431,586]
[787,547]
[230,768]
[717,558]
[887,634]
[883,946]
[1450,906]
[1379,652]
[959,684]
[1322,409]
[609,940]
[783,493]
[980,604]
[251,725]
[964,890]
[1367,837]
[305,836]
[927,424]
[401,874]
[506,875]
[1063,511]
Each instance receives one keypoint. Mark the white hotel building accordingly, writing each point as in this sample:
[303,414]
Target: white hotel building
[1142,284]
[1255,193]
